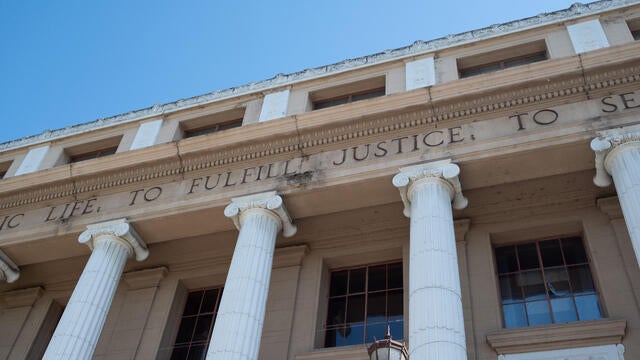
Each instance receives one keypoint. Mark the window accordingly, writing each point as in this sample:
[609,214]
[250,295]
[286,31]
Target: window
[502,59]
[93,150]
[92,155]
[545,282]
[362,302]
[634,27]
[4,167]
[208,129]
[348,93]
[197,324]
[213,122]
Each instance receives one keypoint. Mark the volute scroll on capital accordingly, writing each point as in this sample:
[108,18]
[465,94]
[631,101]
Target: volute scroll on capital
[9,271]
[606,145]
[270,202]
[120,229]
[443,171]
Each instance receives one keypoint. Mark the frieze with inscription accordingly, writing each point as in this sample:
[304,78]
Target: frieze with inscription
[301,169]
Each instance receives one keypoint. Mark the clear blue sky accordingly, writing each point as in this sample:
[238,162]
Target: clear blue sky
[69,62]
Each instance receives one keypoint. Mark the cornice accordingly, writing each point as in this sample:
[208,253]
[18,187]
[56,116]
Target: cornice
[419,47]
[330,129]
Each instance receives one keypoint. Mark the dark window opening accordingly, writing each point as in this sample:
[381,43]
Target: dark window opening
[348,93]
[197,322]
[348,98]
[208,129]
[93,150]
[92,155]
[546,282]
[502,59]
[634,27]
[362,302]
[4,167]
[213,122]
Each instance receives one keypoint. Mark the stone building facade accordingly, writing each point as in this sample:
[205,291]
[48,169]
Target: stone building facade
[479,194]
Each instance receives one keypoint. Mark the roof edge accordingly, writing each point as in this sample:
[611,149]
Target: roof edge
[419,47]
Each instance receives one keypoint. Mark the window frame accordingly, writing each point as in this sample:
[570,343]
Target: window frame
[495,60]
[321,98]
[634,28]
[191,343]
[211,122]
[542,268]
[324,327]
[212,128]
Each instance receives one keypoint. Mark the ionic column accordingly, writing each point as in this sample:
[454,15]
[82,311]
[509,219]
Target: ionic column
[238,325]
[77,333]
[436,324]
[618,156]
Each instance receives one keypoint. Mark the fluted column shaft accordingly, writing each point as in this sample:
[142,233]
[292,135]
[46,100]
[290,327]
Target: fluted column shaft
[619,156]
[238,326]
[436,323]
[78,331]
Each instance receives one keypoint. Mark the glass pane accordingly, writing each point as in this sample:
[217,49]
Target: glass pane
[394,303]
[209,301]
[509,288]
[573,251]
[581,280]
[368,95]
[330,103]
[180,352]
[193,303]
[197,352]
[538,312]
[563,310]
[186,329]
[396,325]
[550,253]
[355,308]
[376,307]
[354,334]
[202,328]
[395,276]
[338,283]
[557,282]
[506,259]
[588,307]
[330,338]
[357,280]
[533,285]
[377,278]
[377,330]
[335,313]
[528,256]
[514,316]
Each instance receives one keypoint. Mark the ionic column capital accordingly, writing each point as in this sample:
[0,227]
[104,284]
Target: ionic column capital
[443,172]
[607,145]
[268,203]
[116,230]
[9,271]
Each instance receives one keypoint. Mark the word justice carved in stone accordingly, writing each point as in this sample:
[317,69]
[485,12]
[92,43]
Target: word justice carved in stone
[299,169]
